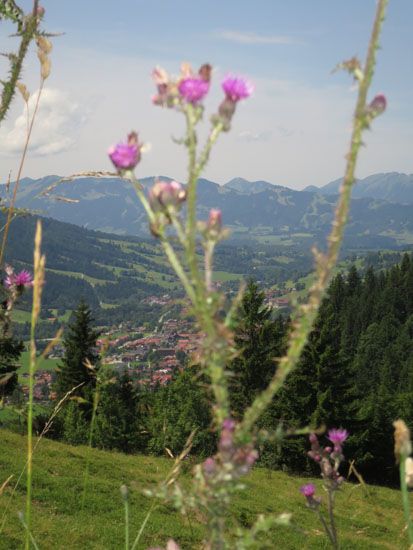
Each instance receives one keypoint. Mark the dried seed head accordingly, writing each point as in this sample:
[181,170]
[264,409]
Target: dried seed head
[23,90]
[44,44]
[402,443]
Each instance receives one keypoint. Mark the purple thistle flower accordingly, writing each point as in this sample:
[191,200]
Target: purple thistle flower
[24,278]
[193,90]
[236,88]
[21,280]
[337,436]
[125,156]
[308,490]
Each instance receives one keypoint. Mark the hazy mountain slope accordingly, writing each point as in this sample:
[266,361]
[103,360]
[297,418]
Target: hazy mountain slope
[111,205]
[392,186]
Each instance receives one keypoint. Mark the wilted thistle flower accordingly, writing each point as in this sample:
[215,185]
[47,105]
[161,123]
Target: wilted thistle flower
[402,443]
[167,95]
[125,156]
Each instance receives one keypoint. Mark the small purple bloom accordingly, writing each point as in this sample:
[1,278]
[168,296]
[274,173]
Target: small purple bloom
[236,88]
[308,490]
[193,90]
[125,156]
[337,436]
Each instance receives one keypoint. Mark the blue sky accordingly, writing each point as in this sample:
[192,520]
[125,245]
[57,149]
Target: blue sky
[293,132]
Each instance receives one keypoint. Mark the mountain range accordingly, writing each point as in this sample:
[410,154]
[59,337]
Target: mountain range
[381,206]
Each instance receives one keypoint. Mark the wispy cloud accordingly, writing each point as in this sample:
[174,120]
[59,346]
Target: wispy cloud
[255,38]
[249,136]
[56,128]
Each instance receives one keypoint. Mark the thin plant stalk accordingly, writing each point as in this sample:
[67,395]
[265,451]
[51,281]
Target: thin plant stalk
[96,399]
[304,319]
[143,525]
[406,498]
[38,280]
[28,533]
[124,493]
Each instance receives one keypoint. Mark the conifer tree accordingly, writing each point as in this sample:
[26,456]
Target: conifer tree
[178,409]
[119,420]
[260,341]
[80,348]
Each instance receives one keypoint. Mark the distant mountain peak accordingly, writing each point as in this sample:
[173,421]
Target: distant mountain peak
[393,187]
[249,187]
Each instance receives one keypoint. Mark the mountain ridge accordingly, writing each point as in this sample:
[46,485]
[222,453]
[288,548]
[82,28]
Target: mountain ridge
[110,205]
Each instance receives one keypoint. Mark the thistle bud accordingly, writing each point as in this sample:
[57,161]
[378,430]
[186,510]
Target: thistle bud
[166,195]
[378,105]
[215,220]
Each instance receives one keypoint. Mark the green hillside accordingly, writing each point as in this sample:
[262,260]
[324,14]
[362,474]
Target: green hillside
[367,518]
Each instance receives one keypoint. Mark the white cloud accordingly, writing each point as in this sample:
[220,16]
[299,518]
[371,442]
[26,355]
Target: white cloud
[56,127]
[247,135]
[254,38]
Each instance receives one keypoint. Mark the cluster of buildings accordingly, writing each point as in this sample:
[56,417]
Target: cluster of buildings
[274,298]
[42,390]
[151,358]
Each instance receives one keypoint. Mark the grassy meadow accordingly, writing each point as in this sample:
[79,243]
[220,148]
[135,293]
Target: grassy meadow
[367,518]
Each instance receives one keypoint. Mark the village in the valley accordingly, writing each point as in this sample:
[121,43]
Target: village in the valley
[150,358]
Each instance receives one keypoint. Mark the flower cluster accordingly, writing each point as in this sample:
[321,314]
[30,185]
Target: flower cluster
[190,87]
[125,156]
[233,459]
[329,458]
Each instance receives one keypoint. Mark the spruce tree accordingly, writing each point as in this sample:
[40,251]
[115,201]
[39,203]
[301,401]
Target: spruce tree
[178,409]
[259,340]
[119,420]
[80,348]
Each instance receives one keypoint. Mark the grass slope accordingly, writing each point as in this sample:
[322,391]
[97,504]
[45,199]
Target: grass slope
[366,518]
